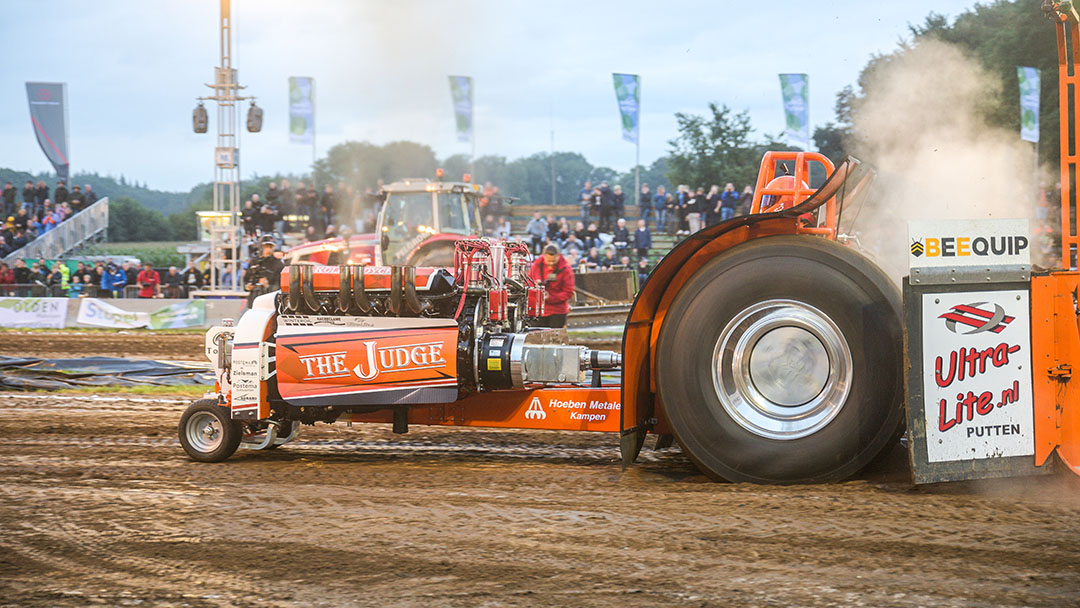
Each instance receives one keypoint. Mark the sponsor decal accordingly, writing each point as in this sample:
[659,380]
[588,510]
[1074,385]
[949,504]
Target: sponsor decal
[374,360]
[978,318]
[968,243]
[964,246]
[354,360]
[535,411]
[977,375]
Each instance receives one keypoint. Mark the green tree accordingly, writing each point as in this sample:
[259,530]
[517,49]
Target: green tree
[1001,35]
[130,221]
[714,148]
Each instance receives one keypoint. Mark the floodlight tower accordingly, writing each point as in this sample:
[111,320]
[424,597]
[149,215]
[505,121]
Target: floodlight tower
[226,246]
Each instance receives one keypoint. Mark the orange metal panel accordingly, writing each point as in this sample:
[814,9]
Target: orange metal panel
[559,409]
[1055,337]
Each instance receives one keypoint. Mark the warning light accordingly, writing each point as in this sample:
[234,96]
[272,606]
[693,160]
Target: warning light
[467,178]
[438,173]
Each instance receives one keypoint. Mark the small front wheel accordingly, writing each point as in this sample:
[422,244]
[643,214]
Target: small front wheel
[208,433]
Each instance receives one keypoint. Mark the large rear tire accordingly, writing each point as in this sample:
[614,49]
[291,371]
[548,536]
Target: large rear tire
[208,433]
[780,362]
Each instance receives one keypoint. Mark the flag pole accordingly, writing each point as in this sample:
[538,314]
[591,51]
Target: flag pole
[637,148]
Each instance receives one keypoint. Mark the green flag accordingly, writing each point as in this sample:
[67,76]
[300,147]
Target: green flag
[628,94]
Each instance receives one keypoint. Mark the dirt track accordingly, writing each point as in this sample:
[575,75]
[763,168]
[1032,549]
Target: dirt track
[135,344]
[98,505]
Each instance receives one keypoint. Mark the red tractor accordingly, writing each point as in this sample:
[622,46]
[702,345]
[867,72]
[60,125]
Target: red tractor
[418,223]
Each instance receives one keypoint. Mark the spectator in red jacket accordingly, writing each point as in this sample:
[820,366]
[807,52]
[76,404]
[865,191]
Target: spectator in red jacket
[148,281]
[553,271]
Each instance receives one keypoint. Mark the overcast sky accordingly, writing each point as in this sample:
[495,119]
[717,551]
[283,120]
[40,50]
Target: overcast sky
[134,67]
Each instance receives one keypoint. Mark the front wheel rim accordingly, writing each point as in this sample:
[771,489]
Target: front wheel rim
[782,369]
[205,432]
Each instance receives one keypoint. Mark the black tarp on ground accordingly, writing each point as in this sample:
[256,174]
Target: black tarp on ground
[25,373]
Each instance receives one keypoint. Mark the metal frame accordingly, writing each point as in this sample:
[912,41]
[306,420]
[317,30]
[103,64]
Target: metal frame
[224,239]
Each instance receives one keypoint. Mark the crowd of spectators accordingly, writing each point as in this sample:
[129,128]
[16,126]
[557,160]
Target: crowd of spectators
[317,213]
[602,237]
[34,213]
[102,279]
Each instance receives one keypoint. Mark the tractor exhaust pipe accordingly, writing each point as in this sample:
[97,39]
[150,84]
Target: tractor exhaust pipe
[359,289]
[412,302]
[307,288]
[292,304]
[395,291]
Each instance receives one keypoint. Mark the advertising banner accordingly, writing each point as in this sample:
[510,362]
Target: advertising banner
[33,312]
[99,313]
[628,94]
[301,109]
[939,243]
[191,313]
[1029,103]
[977,375]
[461,90]
[49,115]
[795,90]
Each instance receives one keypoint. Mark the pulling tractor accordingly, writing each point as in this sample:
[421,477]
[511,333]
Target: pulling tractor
[769,350]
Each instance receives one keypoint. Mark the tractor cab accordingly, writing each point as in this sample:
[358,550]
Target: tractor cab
[420,220]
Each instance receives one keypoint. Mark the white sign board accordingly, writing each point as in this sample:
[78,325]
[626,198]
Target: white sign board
[968,243]
[100,313]
[976,370]
[33,312]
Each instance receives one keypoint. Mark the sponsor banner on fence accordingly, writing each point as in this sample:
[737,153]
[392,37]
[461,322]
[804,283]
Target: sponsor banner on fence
[33,312]
[968,243]
[977,375]
[100,313]
[191,313]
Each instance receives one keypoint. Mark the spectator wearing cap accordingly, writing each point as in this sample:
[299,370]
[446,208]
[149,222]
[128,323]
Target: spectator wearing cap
[149,281]
[554,272]
[113,280]
[60,194]
[77,200]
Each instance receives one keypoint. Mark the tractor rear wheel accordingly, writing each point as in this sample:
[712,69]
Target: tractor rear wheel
[208,433]
[780,362]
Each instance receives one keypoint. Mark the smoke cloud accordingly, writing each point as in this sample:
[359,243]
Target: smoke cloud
[922,124]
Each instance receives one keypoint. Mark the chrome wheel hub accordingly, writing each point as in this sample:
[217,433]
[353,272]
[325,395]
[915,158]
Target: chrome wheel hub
[204,432]
[782,369]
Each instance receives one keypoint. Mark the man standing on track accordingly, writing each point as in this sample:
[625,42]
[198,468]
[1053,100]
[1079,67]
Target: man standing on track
[554,272]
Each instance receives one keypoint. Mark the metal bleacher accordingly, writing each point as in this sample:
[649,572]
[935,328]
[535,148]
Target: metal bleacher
[84,227]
